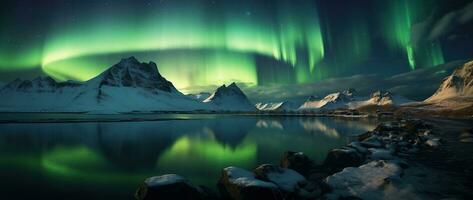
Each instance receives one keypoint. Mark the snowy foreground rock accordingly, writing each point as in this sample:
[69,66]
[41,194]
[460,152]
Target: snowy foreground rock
[381,155]
[366,182]
[171,186]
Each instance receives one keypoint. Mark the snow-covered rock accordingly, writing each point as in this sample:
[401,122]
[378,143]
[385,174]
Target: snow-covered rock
[126,86]
[286,179]
[169,186]
[380,154]
[459,84]
[368,181]
[230,98]
[164,180]
[237,183]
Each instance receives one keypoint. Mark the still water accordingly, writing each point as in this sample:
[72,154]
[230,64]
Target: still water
[110,158]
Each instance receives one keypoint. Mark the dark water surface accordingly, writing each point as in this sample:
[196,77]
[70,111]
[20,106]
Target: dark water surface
[99,160]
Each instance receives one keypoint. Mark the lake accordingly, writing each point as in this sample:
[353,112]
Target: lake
[72,156]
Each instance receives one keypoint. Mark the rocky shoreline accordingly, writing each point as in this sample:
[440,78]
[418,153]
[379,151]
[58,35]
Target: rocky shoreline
[367,168]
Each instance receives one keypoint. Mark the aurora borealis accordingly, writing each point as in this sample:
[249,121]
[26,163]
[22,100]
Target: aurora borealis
[209,42]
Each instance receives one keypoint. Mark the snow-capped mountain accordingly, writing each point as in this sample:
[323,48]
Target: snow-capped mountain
[457,85]
[276,106]
[201,96]
[380,98]
[332,101]
[131,73]
[126,86]
[230,98]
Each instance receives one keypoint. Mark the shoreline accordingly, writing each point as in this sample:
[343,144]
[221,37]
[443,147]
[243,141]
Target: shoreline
[379,162]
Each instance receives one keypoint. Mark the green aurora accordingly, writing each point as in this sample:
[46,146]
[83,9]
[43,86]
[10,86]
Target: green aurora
[213,42]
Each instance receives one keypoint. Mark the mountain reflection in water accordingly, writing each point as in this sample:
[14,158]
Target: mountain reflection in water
[112,158]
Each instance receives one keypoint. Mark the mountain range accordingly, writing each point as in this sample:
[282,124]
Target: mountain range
[128,86]
[133,86]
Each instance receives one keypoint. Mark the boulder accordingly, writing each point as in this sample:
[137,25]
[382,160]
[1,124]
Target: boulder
[372,142]
[169,186]
[338,159]
[365,135]
[287,180]
[415,126]
[297,161]
[388,126]
[368,181]
[240,184]
[358,147]
[380,154]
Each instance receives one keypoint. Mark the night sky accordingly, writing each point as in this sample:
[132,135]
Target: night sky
[209,42]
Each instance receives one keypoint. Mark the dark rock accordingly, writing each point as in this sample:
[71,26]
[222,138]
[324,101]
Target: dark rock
[169,186]
[240,184]
[388,126]
[363,136]
[372,142]
[358,147]
[337,159]
[297,161]
[414,126]
[207,193]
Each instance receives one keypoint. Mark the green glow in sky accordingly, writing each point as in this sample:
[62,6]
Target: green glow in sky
[202,43]
[402,15]
[183,68]
[398,31]
[229,39]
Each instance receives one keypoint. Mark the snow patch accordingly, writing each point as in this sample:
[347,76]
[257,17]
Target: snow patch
[245,178]
[167,179]
[368,181]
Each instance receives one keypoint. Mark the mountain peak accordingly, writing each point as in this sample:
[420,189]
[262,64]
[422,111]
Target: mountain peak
[130,59]
[233,85]
[230,97]
[129,72]
[458,84]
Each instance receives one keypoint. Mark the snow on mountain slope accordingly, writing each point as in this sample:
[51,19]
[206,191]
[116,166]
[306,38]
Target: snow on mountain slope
[457,85]
[380,98]
[230,98]
[126,86]
[332,101]
[276,106]
[201,96]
